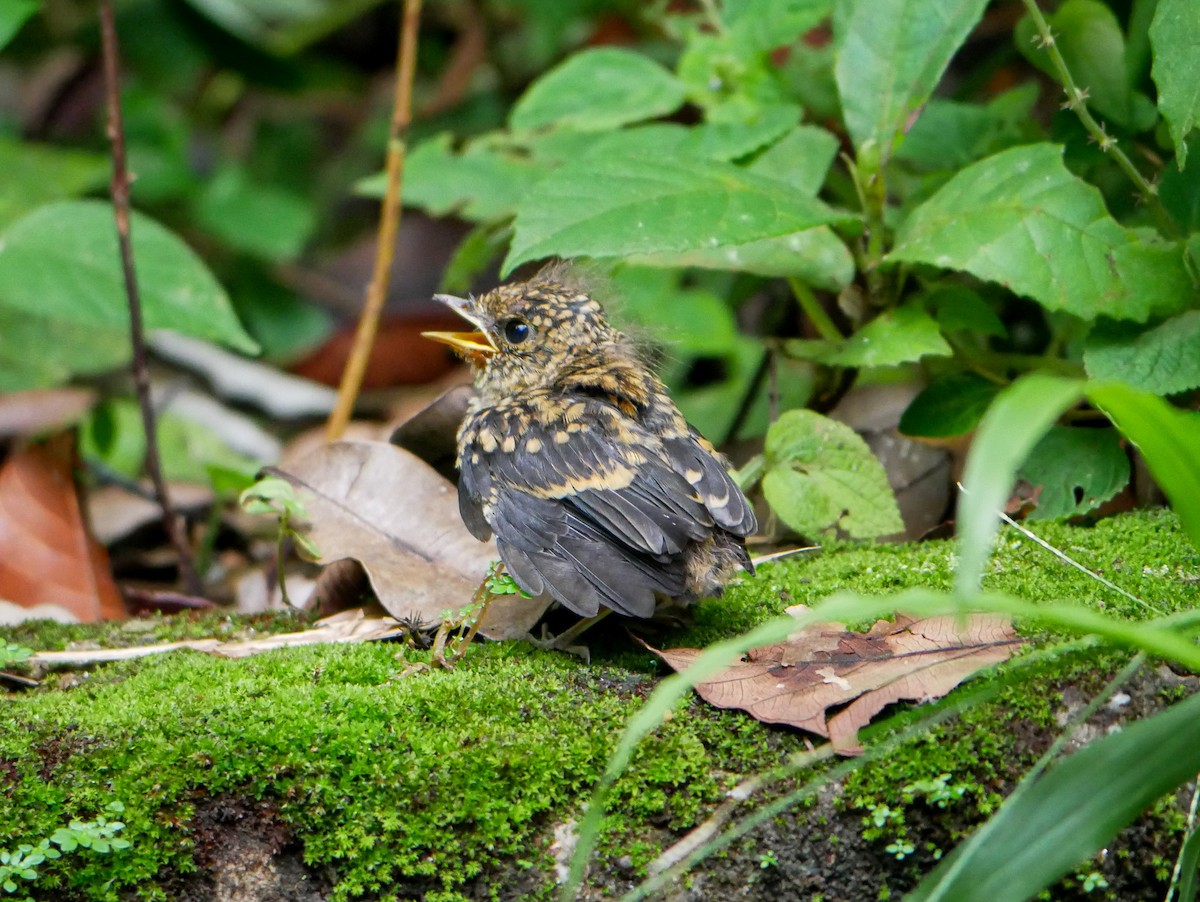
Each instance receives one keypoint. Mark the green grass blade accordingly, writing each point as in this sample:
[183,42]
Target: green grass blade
[1015,422]
[1072,812]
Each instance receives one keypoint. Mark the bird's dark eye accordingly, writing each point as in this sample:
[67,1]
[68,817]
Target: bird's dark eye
[516,331]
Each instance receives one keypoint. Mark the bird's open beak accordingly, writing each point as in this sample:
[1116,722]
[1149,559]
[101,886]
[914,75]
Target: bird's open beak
[474,346]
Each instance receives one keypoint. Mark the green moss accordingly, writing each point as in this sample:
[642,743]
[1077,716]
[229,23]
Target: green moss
[434,779]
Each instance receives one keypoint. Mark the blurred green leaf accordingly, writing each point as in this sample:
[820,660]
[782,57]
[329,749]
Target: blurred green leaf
[14,14]
[901,335]
[1074,809]
[36,174]
[1168,439]
[759,26]
[61,284]
[598,89]
[1092,43]
[800,159]
[821,474]
[892,55]
[959,309]
[1021,219]
[733,140]
[1164,360]
[1179,189]
[609,206]
[1014,423]
[949,406]
[1077,470]
[689,321]
[258,219]
[950,134]
[482,184]
[1174,37]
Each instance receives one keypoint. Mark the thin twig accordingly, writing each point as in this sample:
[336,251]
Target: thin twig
[1077,103]
[389,223]
[1189,829]
[140,366]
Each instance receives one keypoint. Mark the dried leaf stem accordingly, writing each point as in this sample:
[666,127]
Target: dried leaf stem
[140,367]
[1077,103]
[389,223]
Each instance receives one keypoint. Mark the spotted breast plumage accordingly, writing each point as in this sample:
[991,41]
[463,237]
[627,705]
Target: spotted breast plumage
[574,456]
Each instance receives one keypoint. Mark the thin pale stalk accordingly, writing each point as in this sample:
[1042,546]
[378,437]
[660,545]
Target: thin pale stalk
[389,224]
[140,367]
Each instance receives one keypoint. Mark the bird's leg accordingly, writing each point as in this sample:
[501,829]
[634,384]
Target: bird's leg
[562,642]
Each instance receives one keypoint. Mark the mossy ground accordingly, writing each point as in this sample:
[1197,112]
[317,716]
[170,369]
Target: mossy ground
[448,784]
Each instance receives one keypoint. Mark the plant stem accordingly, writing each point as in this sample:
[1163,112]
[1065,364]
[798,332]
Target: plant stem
[389,224]
[140,368]
[1077,102]
[816,314]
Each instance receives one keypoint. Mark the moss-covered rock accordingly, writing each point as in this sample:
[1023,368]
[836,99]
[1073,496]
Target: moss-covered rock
[327,773]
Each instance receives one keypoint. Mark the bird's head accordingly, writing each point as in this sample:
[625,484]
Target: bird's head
[529,334]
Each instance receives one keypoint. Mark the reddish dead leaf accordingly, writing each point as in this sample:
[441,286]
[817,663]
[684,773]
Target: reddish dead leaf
[390,511]
[399,356]
[47,555]
[825,667]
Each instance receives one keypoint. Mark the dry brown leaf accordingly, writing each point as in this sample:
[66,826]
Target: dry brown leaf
[390,511]
[824,667]
[47,555]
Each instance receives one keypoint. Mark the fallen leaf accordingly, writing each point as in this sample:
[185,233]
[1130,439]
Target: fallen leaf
[382,506]
[41,410]
[47,554]
[825,667]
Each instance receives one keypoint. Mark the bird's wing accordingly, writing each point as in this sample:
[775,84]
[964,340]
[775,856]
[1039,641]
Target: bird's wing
[593,509]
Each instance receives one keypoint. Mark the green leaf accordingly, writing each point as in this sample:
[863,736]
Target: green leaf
[1175,35]
[800,159]
[1164,360]
[1020,416]
[14,14]
[759,26]
[1168,439]
[950,134]
[733,140]
[1021,219]
[1076,469]
[957,308]
[36,174]
[607,206]
[1092,44]
[948,407]
[692,322]
[61,287]
[891,56]
[484,183]
[262,220]
[820,474]
[597,90]
[901,335]
[1073,810]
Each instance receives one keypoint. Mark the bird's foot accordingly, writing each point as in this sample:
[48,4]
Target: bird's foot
[564,640]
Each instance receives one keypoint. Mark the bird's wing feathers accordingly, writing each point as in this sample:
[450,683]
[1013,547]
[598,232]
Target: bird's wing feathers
[597,514]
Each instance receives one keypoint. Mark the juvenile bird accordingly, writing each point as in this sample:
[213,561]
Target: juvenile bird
[573,454]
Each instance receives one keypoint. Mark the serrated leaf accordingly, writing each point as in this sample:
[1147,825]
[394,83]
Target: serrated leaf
[1174,36]
[608,206]
[902,335]
[1073,810]
[891,55]
[61,281]
[1167,437]
[598,89]
[36,174]
[1164,360]
[482,184]
[1021,219]
[948,407]
[820,474]
[1076,469]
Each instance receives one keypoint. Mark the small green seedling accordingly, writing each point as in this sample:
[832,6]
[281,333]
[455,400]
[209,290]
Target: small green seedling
[99,836]
[274,496]
[13,654]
